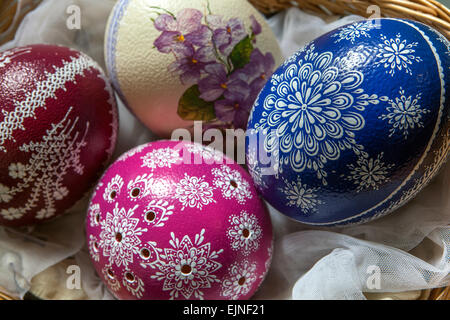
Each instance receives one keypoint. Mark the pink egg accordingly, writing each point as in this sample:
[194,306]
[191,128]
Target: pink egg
[58,126]
[177,220]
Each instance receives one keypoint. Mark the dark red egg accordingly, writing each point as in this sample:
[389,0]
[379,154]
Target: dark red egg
[58,127]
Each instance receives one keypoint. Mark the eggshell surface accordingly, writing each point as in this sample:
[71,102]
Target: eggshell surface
[157,52]
[163,227]
[58,126]
[355,124]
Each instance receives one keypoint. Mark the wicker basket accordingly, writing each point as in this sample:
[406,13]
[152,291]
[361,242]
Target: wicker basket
[429,12]
[11,14]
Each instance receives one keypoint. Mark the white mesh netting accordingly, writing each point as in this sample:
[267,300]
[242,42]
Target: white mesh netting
[410,248]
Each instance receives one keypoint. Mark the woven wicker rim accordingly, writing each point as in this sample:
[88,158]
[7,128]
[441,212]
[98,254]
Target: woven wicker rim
[11,14]
[435,294]
[429,12]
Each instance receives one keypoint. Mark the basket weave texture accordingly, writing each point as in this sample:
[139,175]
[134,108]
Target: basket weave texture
[11,14]
[430,12]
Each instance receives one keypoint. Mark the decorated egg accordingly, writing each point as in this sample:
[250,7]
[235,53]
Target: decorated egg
[175,62]
[58,125]
[354,125]
[177,220]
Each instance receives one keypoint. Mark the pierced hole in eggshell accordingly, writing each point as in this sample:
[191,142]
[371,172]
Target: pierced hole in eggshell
[233,183]
[118,237]
[150,216]
[186,269]
[246,233]
[130,277]
[113,195]
[241,281]
[97,218]
[145,253]
[96,246]
[110,273]
[135,192]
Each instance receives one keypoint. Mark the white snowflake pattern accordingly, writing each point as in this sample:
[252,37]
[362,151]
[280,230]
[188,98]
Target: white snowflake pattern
[355,30]
[425,170]
[51,158]
[239,281]
[232,184]
[111,278]
[404,114]
[93,248]
[94,214]
[113,188]
[244,232]
[300,195]
[194,192]
[11,214]
[157,212]
[160,158]
[120,236]
[431,170]
[17,170]
[314,113]
[369,173]
[396,54]
[133,284]
[188,267]
[4,194]
[436,163]
[140,187]
[149,255]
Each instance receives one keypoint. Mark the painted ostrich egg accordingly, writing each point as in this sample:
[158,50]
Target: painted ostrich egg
[355,124]
[178,220]
[174,61]
[58,125]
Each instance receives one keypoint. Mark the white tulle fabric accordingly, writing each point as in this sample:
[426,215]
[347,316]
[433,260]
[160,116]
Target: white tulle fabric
[410,248]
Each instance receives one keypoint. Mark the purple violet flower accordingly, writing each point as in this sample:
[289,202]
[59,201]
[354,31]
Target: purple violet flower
[226,35]
[256,26]
[235,107]
[259,69]
[191,66]
[218,82]
[179,34]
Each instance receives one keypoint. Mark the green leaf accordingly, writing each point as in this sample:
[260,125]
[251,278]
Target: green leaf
[192,107]
[240,56]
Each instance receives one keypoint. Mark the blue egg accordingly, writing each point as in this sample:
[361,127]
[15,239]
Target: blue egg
[355,124]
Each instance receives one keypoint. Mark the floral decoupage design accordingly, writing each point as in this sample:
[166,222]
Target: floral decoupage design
[218,60]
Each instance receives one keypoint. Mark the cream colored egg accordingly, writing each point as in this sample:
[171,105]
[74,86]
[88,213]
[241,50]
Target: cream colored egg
[174,62]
